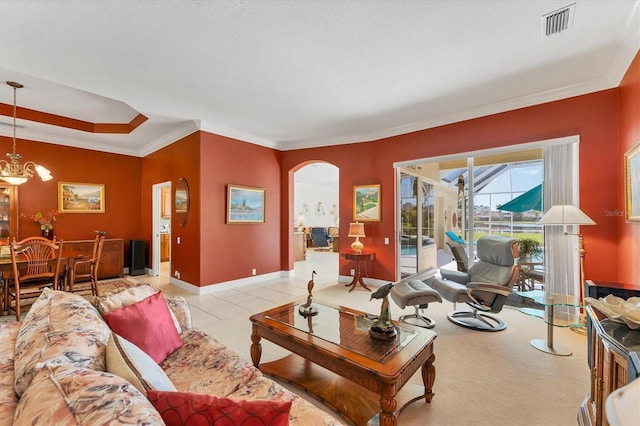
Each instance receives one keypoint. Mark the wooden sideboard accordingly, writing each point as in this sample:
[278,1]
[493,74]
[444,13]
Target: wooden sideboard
[612,357]
[112,260]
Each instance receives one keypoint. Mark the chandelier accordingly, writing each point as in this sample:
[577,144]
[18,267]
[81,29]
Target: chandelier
[13,172]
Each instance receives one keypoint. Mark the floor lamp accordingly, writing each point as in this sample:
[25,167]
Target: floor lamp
[571,215]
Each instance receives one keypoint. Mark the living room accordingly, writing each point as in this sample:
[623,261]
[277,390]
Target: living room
[209,253]
[210,162]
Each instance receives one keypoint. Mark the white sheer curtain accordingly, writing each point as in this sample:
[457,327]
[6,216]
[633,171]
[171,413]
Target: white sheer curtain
[561,250]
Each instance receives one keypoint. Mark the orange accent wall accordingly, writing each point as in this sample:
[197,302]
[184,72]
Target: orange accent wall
[629,119]
[231,251]
[212,251]
[121,175]
[180,159]
[594,117]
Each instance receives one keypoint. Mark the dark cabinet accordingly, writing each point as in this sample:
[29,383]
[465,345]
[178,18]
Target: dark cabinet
[112,260]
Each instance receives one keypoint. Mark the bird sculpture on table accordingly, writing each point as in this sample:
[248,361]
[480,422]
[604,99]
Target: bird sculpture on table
[306,309]
[382,327]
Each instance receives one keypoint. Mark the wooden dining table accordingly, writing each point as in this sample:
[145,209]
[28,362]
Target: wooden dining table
[69,256]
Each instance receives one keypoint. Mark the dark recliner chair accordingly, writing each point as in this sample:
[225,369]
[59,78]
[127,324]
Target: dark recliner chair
[485,287]
[320,237]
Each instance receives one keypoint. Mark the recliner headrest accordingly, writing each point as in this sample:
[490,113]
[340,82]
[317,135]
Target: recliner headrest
[498,250]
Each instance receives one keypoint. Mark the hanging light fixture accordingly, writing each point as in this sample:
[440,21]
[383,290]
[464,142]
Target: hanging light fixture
[13,172]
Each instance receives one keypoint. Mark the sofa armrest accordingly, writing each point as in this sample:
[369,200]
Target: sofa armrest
[180,308]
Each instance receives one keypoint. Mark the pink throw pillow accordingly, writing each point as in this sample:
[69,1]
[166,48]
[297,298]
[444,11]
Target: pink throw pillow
[182,408]
[148,325]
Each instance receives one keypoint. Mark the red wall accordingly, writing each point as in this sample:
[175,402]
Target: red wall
[231,251]
[180,159]
[593,117]
[629,120]
[119,173]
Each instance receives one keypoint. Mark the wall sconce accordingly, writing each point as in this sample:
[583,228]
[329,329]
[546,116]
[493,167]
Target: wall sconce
[356,230]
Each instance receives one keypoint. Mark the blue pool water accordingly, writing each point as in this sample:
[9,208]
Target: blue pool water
[408,251]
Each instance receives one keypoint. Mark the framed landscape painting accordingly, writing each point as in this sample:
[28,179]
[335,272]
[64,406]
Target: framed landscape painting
[632,183]
[80,197]
[366,203]
[245,204]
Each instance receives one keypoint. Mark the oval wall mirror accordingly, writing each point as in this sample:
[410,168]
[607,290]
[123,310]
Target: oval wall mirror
[182,201]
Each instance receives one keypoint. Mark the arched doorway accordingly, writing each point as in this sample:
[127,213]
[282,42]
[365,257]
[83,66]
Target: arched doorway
[315,205]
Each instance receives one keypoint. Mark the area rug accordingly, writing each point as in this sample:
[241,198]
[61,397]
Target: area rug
[111,286]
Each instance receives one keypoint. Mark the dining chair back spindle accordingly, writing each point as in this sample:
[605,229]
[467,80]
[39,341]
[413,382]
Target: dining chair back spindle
[84,269]
[36,265]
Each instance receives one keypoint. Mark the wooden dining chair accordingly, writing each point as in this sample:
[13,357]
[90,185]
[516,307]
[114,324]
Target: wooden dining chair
[36,265]
[84,269]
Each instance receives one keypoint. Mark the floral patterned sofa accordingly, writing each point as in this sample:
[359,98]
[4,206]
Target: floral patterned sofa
[60,365]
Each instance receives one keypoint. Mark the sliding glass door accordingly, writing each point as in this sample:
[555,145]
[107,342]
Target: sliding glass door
[417,224]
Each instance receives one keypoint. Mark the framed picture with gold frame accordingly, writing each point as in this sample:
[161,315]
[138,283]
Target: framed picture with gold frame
[632,183]
[366,203]
[80,197]
[245,204]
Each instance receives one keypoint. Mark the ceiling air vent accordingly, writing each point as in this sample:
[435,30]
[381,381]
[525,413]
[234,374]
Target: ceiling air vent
[558,20]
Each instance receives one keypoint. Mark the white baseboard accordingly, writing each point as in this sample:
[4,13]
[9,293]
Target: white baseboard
[212,288]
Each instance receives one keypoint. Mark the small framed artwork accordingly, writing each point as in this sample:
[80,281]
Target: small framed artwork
[366,203]
[245,204]
[80,197]
[632,183]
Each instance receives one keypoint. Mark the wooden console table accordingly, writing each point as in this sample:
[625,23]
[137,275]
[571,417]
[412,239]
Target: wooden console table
[612,347]
[357,277]
[613,351]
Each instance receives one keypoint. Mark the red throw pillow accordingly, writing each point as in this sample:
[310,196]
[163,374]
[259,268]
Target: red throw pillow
[148,325]
[182,408]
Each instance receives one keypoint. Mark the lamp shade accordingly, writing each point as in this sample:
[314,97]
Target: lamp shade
[356,229]
[565,215]
[300,220]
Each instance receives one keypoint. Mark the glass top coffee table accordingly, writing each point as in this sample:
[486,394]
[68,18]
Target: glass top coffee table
[550,302]
[334,358]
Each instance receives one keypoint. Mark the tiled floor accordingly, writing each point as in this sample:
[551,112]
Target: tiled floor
[245,300]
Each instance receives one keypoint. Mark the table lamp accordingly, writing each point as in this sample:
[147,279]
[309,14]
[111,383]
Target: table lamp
[356,230]
[300,221]
[570,215]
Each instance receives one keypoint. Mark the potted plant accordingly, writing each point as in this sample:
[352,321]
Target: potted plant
[529,248]
[45,220]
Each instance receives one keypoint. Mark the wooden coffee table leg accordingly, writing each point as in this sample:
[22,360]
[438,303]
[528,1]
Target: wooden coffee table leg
[256,348]
[428,378]
[387,415]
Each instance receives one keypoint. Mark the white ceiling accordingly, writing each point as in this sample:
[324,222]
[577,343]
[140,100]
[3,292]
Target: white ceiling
[293,74]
